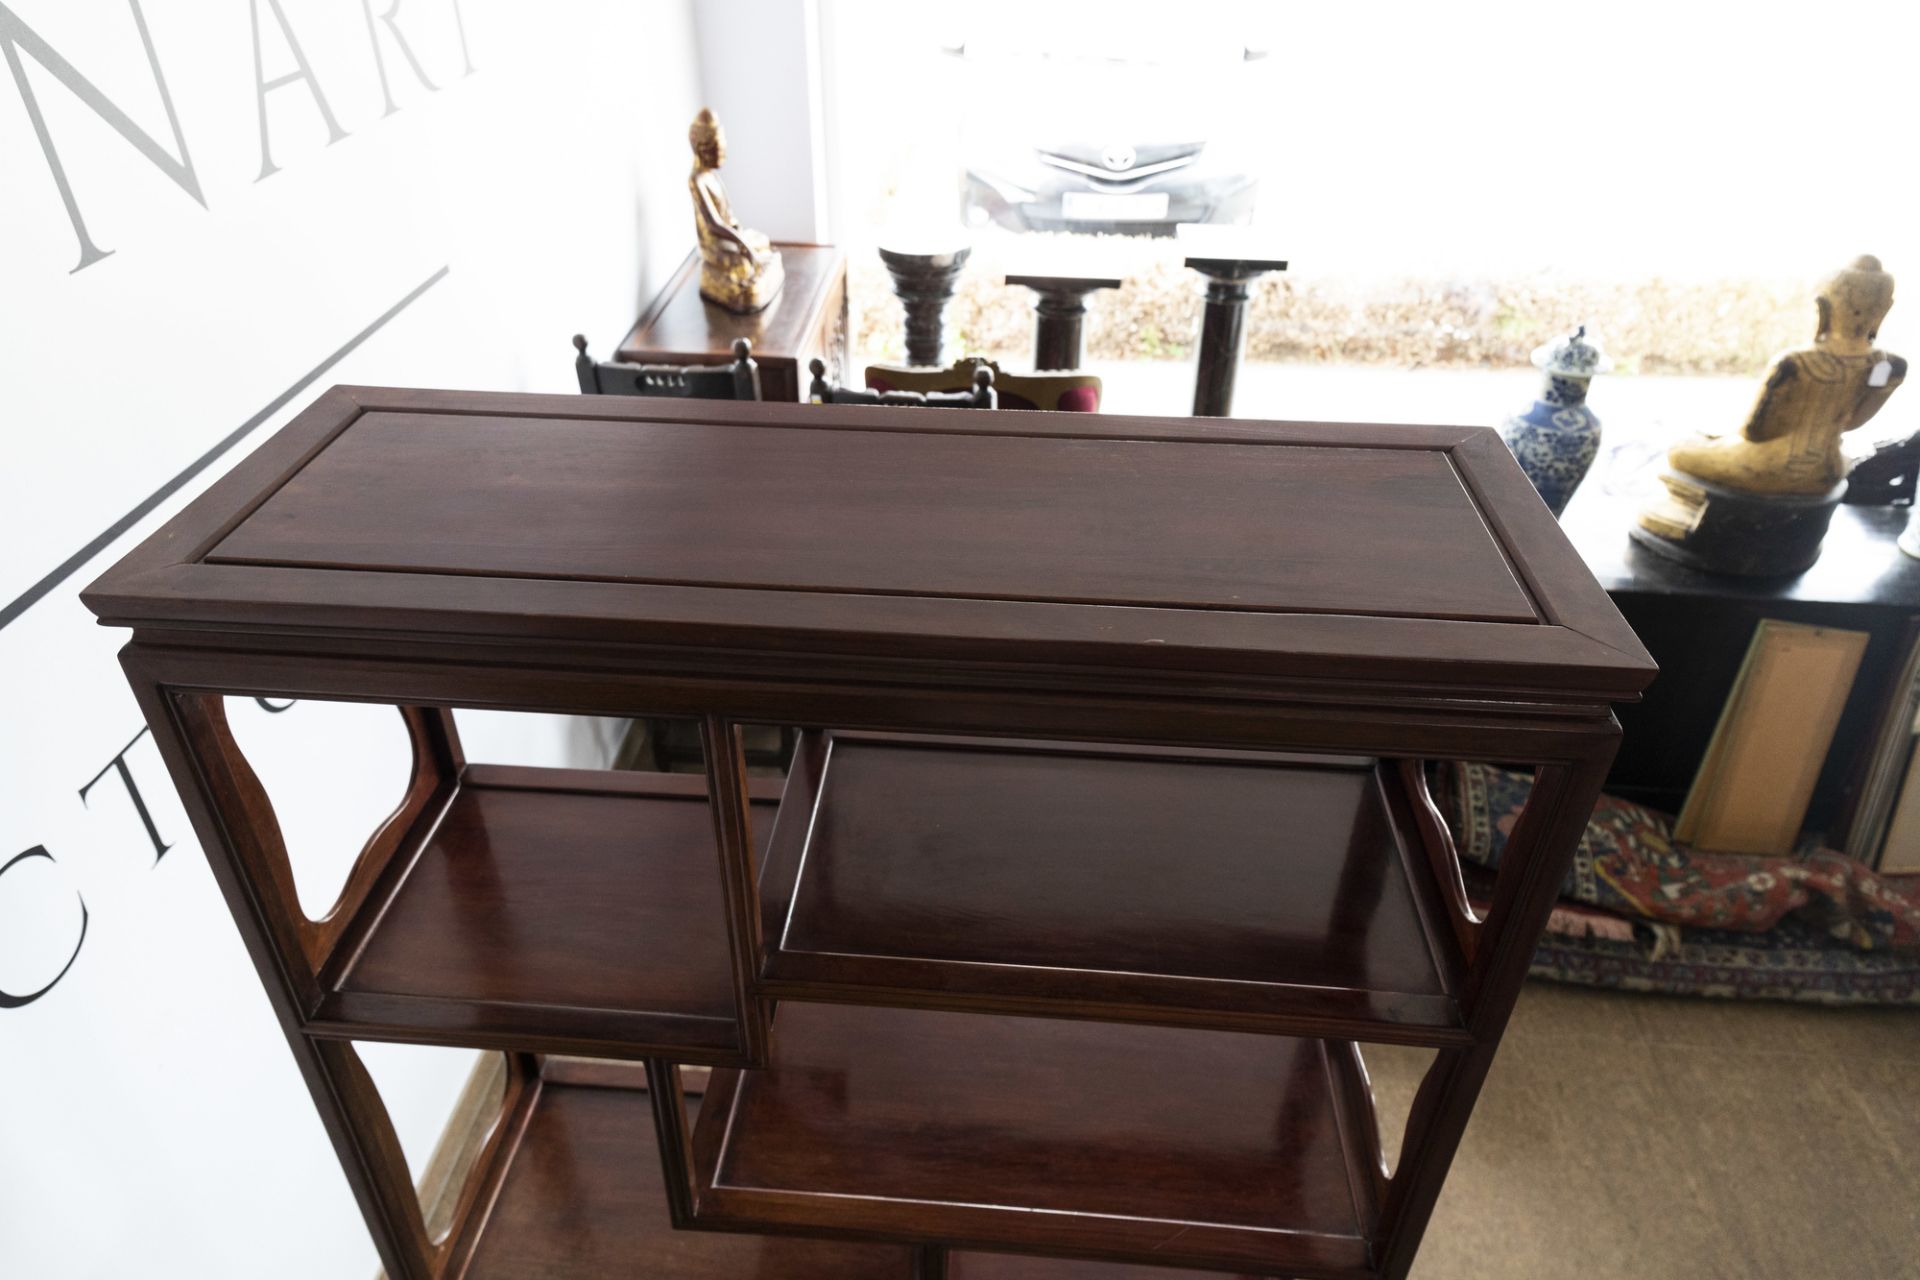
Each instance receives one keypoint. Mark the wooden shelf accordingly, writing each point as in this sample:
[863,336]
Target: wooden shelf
[577,1193]
[964,1265]
[550,910]
[1192,1148]
[1231,890]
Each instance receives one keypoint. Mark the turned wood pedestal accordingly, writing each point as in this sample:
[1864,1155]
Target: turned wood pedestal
[1106,851]
[1060,312]
[924,283]
[1223,327]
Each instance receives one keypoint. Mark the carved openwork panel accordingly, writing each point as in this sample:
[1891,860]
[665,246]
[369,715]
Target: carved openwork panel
[431,777]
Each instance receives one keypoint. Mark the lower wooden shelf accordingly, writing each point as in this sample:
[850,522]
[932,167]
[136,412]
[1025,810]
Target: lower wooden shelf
[1209,1149]
[577,1192]
[976,1265]
[551,910]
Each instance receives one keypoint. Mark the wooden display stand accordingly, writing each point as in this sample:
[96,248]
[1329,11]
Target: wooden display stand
[1106,844]
[808,318]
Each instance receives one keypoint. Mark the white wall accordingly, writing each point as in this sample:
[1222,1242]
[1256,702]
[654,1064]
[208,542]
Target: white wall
[152,1121]
[760,70]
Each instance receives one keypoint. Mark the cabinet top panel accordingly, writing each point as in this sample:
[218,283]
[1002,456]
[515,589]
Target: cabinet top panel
[1186,544]
[1184,525]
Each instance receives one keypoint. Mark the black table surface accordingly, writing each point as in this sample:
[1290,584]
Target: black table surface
[1859,562]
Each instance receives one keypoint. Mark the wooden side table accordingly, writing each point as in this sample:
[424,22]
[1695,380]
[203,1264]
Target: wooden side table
[1111,784]
[807,319]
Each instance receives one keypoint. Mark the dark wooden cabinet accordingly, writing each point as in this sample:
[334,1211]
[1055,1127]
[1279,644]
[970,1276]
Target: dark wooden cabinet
[1106,848]
[808,319]
[1699,626]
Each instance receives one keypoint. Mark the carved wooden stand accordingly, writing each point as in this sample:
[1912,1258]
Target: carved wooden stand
[1089,991]
[924,282]
[1223,328]
[1060,311]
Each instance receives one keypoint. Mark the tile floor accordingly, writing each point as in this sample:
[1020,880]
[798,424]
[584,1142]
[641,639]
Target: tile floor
[1670,1139]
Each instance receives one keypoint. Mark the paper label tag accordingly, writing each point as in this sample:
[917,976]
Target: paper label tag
[1881,372]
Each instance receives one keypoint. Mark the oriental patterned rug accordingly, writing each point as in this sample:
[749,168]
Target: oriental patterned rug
[1642,912]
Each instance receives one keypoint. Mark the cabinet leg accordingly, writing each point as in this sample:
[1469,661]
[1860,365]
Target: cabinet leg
[733,830]
[669,1100]
[1529,882]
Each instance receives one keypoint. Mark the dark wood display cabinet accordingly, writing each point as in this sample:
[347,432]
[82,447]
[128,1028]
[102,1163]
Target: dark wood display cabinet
[1106,849]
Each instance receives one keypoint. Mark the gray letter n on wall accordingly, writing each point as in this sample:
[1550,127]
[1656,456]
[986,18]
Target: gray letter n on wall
[16,37]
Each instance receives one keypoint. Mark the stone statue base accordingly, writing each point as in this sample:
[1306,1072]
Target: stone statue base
[1721,530]
[741,293]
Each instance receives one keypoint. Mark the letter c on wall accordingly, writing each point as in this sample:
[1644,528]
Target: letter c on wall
[7,999]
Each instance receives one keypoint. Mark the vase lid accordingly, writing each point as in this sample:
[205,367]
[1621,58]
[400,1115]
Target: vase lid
[1574,356]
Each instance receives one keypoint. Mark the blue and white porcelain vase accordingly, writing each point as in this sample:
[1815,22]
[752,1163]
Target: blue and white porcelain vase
[1555,441]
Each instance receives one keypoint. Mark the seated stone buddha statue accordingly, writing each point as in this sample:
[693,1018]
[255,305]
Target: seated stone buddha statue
[739,269]
[1790,443]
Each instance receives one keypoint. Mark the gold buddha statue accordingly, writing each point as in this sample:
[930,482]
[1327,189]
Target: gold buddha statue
[739,269]
[1790,443]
